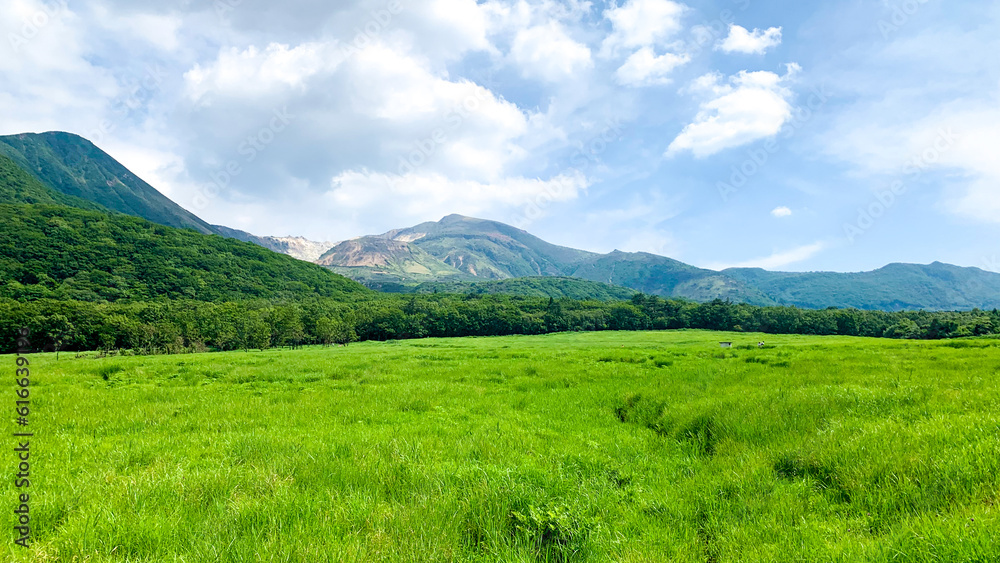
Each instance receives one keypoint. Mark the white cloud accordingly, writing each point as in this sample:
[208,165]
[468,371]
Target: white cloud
[420,195]
[642,23]
[253,72]
[159,30]
[953,145]
[781,212]
[755,105]
[49,77]
[755,42]
[547,53]
[779,259]
[645,68]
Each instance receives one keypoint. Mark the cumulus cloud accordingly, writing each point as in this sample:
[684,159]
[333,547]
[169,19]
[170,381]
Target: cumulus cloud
[252,72]
[373,96]
[781,212]
[547,53]
[752,106]
[756,42]
[957,140]
[644,68]
[642,23]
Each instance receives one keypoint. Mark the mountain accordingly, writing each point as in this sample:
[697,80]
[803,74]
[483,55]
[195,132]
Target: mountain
[73,166]
[489,249]
[658,275]
[459,253]
[59,252]
[896,287]
[296,247]
[465,249]
[18,186]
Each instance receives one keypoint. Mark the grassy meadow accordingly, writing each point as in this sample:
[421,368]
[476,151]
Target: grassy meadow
[631,447]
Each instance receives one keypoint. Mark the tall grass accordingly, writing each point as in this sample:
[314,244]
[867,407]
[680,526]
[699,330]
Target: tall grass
[637,447]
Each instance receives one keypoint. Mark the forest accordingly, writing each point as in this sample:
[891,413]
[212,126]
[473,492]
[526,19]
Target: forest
[177,326]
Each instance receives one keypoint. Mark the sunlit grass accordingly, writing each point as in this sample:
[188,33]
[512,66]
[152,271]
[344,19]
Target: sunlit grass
[633,447]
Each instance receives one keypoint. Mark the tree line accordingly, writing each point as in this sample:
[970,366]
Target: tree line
[175,326]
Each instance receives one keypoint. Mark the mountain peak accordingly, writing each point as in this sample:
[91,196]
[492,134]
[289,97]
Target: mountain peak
[74,166]
[455,218]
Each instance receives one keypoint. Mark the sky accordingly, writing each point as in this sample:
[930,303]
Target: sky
[840,135]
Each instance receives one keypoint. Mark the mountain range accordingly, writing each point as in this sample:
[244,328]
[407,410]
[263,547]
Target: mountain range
[465,254]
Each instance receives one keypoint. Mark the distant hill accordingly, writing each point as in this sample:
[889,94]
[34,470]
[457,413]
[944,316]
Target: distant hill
[554,287]
[463,252]
[296,247]
[65,253]
[465,249]
[489,249]
[896,287]
[75,167]
[658,275]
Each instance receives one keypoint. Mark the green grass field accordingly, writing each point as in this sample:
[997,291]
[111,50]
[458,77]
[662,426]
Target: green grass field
[649,447]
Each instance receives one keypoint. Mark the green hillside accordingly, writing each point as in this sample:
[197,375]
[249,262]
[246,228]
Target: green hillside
[657,275]
[65,253]
[896,287]
[73,166]
[558,288]
[18,186]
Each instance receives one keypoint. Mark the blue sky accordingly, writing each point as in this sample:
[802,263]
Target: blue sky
[841,135]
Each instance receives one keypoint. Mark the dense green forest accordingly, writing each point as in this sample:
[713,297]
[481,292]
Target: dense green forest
[55,252]
[188,325]
[536,286]
[18,186]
